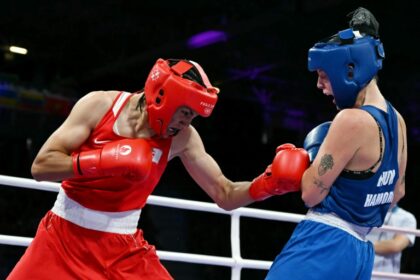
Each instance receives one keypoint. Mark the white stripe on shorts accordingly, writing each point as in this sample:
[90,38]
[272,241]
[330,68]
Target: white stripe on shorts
[333,220]
[116,222]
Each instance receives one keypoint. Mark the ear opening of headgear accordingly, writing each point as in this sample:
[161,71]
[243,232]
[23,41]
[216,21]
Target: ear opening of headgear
[174,83]
[350,61]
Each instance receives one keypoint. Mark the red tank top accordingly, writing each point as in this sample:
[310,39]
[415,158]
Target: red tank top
[117,193]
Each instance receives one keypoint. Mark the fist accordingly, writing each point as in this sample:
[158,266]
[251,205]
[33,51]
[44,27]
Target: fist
[283,175]
[287,169]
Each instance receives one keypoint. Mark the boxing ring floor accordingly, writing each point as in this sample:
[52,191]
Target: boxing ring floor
[235,262]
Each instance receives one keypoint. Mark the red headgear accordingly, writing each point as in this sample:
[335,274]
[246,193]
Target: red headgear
[166,90]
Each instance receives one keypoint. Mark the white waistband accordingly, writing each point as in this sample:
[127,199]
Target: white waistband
[332,219]
[116,222]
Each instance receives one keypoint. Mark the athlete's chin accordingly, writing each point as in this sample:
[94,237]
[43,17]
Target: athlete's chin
[172,131]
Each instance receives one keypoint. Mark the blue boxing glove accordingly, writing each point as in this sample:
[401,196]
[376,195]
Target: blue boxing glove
[315,138]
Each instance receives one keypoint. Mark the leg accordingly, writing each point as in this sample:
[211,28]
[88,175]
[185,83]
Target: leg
[51,254]
[134,258]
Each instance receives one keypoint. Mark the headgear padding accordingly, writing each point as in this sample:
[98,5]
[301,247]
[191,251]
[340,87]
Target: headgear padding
[350,61]
[167,89]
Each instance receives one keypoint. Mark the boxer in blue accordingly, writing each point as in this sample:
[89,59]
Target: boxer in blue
[358,161]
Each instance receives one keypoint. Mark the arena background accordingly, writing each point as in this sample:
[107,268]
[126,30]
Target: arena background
[255,52]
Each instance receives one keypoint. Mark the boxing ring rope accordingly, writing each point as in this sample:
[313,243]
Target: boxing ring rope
[236,262]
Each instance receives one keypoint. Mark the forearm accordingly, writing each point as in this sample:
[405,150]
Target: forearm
[52,166]
[314,189]
[392,246]
[234,194]
[385,247]
[208,175]
[240,194]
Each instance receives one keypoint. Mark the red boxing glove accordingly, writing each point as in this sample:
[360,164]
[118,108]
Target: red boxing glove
[127,157]
[283,175]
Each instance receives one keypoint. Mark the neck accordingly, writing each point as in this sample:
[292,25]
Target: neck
[371,95]
[139,117]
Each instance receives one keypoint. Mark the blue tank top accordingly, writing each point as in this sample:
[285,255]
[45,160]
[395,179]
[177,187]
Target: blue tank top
[365,202]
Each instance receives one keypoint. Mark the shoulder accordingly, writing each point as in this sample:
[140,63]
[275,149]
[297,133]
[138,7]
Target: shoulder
[97,101]
[401,120]
[352,121]
[352,117]
[92,106]
[100,98]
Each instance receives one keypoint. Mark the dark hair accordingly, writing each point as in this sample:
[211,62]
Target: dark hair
[193,74]
[142,100]
[364,21]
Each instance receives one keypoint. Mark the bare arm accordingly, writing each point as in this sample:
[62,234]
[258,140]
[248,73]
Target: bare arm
[207,173]
[392,246]
[399,190]
[53,162]
[338,148]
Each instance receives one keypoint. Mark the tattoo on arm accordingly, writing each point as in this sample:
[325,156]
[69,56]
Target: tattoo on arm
[319,184]
[403,179]
[327,162]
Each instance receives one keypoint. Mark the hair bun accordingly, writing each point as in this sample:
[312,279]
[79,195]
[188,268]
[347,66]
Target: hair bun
[364,21]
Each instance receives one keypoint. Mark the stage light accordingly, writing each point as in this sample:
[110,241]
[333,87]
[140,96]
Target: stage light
[206,38]
[18,50]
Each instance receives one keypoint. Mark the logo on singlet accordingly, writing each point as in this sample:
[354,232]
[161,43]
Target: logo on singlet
[378,198]
[386,178]
[100,142]
[157,153]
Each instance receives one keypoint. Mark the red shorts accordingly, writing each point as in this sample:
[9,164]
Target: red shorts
[63,250]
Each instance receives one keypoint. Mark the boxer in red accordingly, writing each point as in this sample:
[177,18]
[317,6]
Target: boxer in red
[110,154]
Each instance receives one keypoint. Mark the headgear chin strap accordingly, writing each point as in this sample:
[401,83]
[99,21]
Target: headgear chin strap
[166,90]
[350,61]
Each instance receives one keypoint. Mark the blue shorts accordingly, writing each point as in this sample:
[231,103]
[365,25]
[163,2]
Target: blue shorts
[317,251]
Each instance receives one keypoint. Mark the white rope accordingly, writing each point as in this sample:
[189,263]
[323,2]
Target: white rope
[395,275]
[236,245]
[236,262]
[15,240]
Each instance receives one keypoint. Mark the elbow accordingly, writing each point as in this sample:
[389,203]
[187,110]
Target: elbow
[308,202]
[311,193]
[35,172]
[225,205]
[307,195]
[222,200]
[223,197]
[401,193]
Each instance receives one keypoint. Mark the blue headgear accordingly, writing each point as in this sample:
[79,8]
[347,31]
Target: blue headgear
[350,61]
